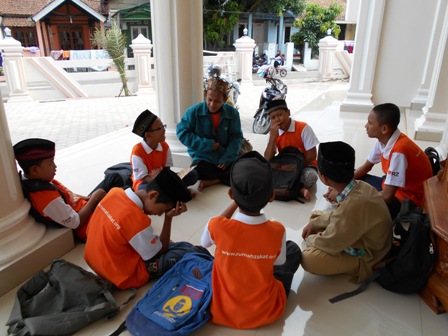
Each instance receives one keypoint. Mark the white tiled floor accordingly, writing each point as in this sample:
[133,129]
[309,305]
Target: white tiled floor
[374,312]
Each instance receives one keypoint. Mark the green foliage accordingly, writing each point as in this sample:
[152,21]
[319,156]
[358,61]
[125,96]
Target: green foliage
[314,25]
[221,16]
[281,6]
[219,20]
[114,42]
[274,6]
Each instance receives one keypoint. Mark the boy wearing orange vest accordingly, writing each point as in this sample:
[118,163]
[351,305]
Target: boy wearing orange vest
[404,164]
[286,132]
[51,202]
[123,247]
[149,156]
[254,264]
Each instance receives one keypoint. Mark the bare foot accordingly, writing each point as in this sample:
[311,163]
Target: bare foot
[192,193]
[207,183]
[305,193]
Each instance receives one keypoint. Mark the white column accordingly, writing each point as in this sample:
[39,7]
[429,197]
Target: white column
[431,125]
[289,55]
[13,67]
[441,15]
[244,47]
[18,231]
[177,35]
[141,47]
[327,52]
[25,245]
[368,33]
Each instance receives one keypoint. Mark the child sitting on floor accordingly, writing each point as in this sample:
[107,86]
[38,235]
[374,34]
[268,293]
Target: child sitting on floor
[286,132]
[51,202]
[254,264]
[122,246]
[152,154]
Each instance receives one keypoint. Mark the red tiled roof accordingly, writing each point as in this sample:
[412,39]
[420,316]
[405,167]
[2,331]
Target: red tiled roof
[31,7]
[23,7]
[17,22]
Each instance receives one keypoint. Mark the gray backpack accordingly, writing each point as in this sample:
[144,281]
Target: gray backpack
[61,301]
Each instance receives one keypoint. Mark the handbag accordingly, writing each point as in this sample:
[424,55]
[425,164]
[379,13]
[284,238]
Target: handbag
[61,301]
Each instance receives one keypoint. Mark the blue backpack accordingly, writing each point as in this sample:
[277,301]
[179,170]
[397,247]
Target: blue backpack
[179,301]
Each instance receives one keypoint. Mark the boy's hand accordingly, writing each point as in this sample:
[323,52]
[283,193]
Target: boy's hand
[177,210]
[307,230]
[153,173]
[331,195]
[273,131]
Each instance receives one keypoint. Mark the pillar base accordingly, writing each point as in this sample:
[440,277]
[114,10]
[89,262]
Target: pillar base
[19,98]
[357,102]
[428,135]
[54,244]
[430,126]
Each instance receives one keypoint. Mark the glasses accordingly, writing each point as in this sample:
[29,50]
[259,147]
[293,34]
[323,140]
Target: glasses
[161,127]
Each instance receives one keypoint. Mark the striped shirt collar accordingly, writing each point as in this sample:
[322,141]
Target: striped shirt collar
[343,195]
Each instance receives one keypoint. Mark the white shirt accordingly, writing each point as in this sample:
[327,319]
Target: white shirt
[141,241]
[396,175]
[139,167]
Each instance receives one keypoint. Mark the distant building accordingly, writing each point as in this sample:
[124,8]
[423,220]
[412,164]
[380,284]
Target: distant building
[53,25]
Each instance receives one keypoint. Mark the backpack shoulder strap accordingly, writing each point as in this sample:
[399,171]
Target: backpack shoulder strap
[29,186]
[122,327]
[361,288]
[434,159]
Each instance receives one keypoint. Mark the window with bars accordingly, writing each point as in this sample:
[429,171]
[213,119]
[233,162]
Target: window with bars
[26,36]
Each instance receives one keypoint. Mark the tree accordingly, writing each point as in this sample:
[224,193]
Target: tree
[221,16]
[314,25]
[114,42]
[276,6]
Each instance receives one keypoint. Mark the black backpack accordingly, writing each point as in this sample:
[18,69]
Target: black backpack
[286,169]
[434,158]
[61,301]
[408,264]
[407,267]
[124,169]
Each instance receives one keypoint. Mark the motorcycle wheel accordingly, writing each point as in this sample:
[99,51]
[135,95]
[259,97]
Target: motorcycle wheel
[262,123]
[283,72]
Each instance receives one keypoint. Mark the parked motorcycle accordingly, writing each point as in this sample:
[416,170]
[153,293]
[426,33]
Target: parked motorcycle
[259,61]
[278,90]
[214,70]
